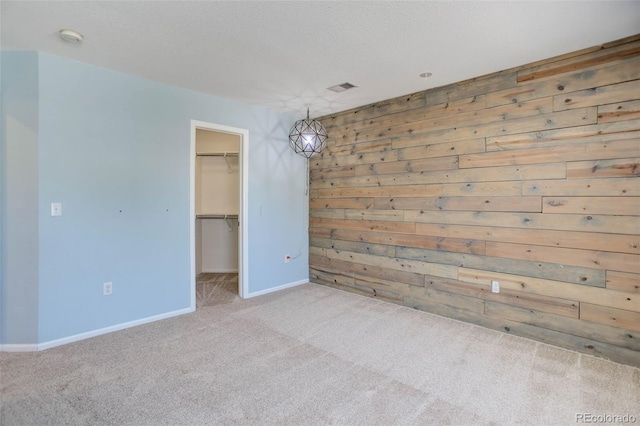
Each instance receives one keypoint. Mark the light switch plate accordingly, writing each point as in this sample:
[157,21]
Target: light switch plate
[56,209]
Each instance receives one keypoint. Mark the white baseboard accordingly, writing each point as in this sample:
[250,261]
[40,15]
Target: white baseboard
[219,271]
[77,337]
[20,347]
[278,288]
[27,347]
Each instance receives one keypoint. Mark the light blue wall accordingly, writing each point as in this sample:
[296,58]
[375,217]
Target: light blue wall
[114,150]
[19,83]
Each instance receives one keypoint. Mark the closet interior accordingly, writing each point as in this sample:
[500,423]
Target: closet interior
[217,192]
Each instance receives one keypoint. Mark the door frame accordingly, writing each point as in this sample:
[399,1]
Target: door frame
[243,208]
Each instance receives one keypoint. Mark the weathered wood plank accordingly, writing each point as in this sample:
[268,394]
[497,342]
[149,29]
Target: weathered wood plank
[368,270]
[327,213]
[553,305]
[630,39]
[342,203]
[319,276]
[320,232]
[541,237]
[550,271]
[495,204]
[340,160]
[473,87]
[332,172]
[481,189]
[402,103]
[354,290]
[619,111]
[552,154]
[448,109]
[591,205]
[563,290]
[377,150]
[535,123]
[390,215]
[333,150]
[402,191]
[387,262]
[576,327]
[369,225]
[506,188]
[349,282]
[382,289]
[417,165]
[615,187]
[614,317]
[473,118]
[622,71]
[440,150]
[621,92]
[624,167]
[357,214]
[575,63]
[452,300]
[353,246]
[492,174]
[604,132]
[623,281]
[317,251]
[586,258]
[458,245]
[561,222]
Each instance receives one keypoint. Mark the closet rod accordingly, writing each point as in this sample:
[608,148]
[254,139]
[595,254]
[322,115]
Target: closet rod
[216,154]
[216,216]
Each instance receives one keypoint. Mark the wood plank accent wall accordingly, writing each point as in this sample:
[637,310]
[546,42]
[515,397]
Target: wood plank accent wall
[528,177]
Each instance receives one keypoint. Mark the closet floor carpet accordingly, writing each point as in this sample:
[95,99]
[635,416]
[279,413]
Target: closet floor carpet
[216,289]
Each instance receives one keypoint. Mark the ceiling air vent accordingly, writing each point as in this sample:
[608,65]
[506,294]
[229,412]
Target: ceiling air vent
[341,87]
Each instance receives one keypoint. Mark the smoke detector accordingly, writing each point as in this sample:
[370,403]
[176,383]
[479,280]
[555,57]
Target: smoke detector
[71,36]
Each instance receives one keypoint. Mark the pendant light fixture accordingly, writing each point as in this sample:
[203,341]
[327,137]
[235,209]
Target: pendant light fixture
[308,137]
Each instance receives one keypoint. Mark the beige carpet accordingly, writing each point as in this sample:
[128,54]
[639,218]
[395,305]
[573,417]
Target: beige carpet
[216,288]
[311,355]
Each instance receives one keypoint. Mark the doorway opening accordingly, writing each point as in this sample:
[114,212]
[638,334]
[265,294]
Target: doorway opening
[218,174]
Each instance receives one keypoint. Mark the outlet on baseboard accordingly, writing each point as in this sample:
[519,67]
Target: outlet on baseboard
[495,286]
[107,288]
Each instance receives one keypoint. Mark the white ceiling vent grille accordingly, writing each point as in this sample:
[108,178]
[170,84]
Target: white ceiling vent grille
[341,87]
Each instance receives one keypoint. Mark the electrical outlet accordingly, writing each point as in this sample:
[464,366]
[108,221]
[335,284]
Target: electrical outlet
[495,286]
[287,258]
[107,288]
[56,209]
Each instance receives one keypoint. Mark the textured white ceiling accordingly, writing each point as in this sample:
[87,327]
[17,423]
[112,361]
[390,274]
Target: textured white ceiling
[285,54]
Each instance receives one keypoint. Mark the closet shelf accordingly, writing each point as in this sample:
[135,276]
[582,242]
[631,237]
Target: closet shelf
[216,154]
[216,216]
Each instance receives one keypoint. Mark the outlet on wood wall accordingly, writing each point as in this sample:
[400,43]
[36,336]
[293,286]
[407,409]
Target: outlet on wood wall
[528,177]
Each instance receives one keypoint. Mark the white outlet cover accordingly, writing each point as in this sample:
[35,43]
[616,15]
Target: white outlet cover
[495,286]
[56,209]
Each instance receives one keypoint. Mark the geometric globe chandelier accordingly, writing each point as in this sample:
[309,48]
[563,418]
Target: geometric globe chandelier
[308,137]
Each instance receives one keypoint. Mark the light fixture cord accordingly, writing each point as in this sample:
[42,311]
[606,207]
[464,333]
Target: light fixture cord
[305,206]
[306,181]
